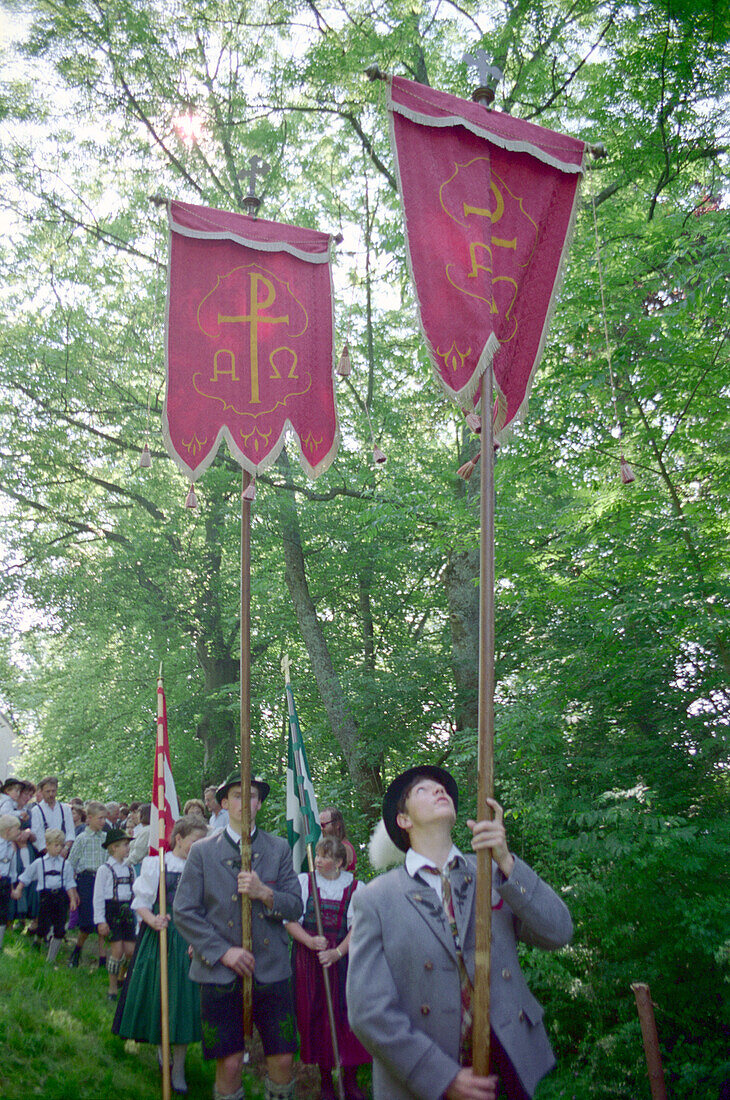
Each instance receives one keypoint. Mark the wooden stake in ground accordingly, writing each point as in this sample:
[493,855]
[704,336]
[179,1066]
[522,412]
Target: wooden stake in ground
[164,983]
[651,1040]
[483,949]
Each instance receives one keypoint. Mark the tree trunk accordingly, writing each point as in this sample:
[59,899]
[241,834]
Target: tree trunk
[366,779]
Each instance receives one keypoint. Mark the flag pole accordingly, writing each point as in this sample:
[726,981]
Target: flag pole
[245,677]
[485,790]
[299,784]
[161,842]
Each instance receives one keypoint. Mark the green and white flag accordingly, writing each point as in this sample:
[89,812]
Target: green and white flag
[302,815]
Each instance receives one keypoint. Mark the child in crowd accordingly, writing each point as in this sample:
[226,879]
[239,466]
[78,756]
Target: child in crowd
[113,914]
[86,857]
[312,955]
[56,887]
[10,795]
[9,831]
[26,907]
[138,1012]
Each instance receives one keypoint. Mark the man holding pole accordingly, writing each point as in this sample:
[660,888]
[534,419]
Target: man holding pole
[207,913]
[410,981]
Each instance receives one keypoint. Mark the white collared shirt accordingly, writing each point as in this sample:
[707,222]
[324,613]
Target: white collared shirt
[415,862]
[43,817]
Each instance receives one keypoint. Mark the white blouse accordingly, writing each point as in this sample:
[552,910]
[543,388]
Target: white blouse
[330,889]
[146,883]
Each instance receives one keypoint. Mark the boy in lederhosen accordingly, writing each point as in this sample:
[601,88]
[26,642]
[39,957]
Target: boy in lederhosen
[56,888]
[113,914]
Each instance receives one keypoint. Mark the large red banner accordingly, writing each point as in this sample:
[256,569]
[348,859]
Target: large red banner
[489,203]
[249,341]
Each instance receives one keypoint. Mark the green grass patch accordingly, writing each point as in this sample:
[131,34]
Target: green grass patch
[56,1040]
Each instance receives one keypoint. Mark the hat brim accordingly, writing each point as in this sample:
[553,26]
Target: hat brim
[235,780]
[116,836]
[399,785]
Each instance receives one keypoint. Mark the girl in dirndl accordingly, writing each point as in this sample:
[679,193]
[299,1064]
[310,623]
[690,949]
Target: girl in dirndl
[138,1012]
[313,955]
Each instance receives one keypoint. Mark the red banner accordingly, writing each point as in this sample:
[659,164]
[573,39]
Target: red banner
[489,202]
[249,341]
[164,810]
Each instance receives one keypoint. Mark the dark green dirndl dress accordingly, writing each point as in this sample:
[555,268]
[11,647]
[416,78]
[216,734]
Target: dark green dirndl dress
[138,1009]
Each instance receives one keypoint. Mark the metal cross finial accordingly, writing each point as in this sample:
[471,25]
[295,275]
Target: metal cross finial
[489,76]
[256,167]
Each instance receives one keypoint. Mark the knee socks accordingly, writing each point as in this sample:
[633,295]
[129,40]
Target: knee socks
[53,949]
[273,1091]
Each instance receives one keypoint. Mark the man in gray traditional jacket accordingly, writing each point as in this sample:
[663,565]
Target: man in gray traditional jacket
[411,969]
[207,912]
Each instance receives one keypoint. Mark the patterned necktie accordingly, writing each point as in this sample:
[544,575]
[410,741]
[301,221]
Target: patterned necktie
[467,990]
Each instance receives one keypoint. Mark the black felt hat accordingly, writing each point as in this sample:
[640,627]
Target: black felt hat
[114,836]
[235,778]
[11,782]
[400,784]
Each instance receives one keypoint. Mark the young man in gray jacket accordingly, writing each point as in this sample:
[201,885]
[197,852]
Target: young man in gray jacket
[411,970]
[207,911]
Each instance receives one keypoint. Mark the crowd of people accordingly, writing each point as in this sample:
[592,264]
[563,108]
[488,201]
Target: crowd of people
[343,973]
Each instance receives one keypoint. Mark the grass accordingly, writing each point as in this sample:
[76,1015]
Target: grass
[56,1040]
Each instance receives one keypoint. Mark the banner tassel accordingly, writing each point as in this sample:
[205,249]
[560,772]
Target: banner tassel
[191,501]
[379,457]
[145,459]
[627,474]
[468,468]
[249,493]
[474,421]
[344,367]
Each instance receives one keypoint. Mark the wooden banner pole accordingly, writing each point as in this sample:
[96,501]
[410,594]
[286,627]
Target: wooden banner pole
[164,985]
[485,790]
[298,781]
[326,976]
[245,677]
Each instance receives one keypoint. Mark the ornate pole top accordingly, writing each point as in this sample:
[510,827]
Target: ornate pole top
[489,77]
[256,167]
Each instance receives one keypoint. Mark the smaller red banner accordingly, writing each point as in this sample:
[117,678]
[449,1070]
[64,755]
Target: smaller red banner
[489,202]
[249,341]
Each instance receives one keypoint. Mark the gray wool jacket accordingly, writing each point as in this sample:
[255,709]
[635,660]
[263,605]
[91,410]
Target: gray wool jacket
[403,989]
[207,906]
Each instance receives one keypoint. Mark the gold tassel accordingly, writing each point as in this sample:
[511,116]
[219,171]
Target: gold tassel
[627,474]
[344,367]
[468,468]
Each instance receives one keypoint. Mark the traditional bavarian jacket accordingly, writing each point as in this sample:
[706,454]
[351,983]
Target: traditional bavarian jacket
[49,873]
[113,880]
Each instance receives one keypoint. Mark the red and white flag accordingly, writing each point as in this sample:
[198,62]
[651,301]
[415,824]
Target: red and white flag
[165,809]
[489,202]
[249,341]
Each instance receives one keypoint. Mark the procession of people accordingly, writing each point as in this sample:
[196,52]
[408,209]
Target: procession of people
[396,954]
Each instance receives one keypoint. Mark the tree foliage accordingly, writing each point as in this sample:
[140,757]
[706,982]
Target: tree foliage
[613,650]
